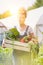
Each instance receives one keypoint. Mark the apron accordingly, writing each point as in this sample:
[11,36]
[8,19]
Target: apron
[25,34]
[20,57]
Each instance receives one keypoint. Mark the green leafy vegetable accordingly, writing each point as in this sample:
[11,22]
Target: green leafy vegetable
[34,47]
[12,34]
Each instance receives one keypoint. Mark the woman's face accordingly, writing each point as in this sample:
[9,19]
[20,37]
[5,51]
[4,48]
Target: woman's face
[22,16]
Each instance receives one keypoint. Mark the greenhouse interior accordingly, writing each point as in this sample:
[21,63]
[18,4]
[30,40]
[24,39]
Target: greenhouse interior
[21,32]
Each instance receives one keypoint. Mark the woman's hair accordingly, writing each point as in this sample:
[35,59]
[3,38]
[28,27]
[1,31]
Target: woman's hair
[22,10]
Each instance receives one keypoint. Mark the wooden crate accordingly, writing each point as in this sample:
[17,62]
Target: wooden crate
[17,45]
[21,52]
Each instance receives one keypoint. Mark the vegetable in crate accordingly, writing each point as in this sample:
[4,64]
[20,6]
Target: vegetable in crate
[12,34]
[26,39]
[34,47]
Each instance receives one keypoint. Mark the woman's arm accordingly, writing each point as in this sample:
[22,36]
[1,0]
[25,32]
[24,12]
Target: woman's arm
[32,35]
[30,32]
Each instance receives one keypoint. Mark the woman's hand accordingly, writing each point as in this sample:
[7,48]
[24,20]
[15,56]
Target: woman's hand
[35,40]
[3,44]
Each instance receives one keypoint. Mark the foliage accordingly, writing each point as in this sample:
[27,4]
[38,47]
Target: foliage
[5,14]
[37,4]
[34,48]
[39,59]
[6,56]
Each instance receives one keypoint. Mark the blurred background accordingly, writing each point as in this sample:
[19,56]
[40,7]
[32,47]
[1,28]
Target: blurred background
[9,15]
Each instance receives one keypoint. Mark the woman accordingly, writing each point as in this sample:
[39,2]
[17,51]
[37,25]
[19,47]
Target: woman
[23,28]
